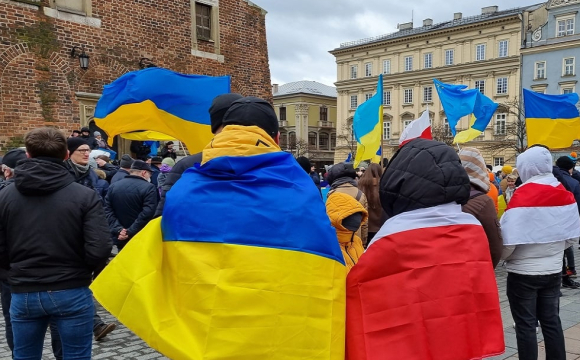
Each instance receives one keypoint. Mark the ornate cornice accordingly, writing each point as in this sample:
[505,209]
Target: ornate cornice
[560,3]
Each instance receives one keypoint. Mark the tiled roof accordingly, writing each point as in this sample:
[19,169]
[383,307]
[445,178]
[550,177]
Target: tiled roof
[306,87]
[440,26]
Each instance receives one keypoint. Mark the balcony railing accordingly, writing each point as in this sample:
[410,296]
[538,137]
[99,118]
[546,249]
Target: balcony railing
[326,124]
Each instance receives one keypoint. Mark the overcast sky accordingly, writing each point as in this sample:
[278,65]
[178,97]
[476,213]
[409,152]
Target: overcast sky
[301,32]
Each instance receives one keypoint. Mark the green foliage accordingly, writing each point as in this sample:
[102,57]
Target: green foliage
[40,37]
[47,99]
[14,142]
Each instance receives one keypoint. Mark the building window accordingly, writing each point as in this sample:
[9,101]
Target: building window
[498,161]
[503,48]
[500,124]
[386,98]
[79,7]
[427,94]
[446,128]
[369,69]
[323,141]
[323,113]
[312,140]
[332,141]
[567,90]
[282,113]
[480,52]
[408,96]
[203,21]
[480,85]
[502,85]
[386,66]
[406,123]
[540,70]
[386,130]
[565,26]
[353,101]
[408,63]
[292,139]
[568,66]
[353,71]
[283,140]
[368,96]
[428,63]
[449,56]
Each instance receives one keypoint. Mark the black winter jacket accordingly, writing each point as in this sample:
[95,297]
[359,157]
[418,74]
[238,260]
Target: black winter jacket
[423,174]
[130,204]
[88,179]
[174,175]
[120,175]
[53,231]
[110,170]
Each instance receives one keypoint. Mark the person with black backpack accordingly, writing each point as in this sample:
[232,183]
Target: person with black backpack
[479,204]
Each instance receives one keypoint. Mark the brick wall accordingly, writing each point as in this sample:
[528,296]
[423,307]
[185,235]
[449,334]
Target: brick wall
[39,79]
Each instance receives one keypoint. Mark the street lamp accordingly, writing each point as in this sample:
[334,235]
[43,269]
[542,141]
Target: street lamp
[83,58]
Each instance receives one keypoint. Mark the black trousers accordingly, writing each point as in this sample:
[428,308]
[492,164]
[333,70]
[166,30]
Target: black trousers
[533,298]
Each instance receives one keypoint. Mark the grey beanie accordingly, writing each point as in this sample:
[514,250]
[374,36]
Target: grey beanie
[126,161]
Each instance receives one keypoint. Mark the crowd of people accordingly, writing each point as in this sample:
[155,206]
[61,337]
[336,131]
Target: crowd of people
[64,206]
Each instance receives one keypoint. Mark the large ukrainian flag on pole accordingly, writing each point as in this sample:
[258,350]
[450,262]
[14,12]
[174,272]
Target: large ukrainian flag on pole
[551,120]
[368,126]
[244,264]
[160,101]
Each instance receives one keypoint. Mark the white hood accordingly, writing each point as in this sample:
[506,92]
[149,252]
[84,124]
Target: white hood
[533,162]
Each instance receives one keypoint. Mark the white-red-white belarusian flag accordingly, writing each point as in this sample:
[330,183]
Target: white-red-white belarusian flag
[419,128]
[424,289]
[541,211]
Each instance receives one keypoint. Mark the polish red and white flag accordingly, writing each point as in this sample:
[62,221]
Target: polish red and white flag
[424,289]
[419,128]
[541,211]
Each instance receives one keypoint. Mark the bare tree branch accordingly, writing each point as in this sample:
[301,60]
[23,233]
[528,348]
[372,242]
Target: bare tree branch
[513,136]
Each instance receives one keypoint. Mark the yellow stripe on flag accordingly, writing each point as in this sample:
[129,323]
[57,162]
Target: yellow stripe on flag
[147,136]
[466,136]
[555,134]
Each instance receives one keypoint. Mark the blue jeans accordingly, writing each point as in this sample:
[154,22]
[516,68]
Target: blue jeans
[533,298]
[70,310]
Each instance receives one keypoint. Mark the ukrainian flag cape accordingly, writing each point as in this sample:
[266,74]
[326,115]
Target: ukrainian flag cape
[243,265]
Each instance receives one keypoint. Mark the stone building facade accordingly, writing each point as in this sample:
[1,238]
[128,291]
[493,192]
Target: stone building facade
[307,115]
[42,85]
[481,51]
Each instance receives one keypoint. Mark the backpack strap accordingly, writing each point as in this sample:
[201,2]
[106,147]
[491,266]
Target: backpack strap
[359,195]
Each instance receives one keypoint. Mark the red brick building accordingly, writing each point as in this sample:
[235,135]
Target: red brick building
[42,85]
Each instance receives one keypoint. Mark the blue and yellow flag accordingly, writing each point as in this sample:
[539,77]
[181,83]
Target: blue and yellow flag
[244,264]
[483,111]
[368,126]
[551,120]
[456,100]
[163,101]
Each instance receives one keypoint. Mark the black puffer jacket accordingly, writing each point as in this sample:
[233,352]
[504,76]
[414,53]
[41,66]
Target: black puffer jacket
[130,204]
[174,175]
[423,174]
[53,231]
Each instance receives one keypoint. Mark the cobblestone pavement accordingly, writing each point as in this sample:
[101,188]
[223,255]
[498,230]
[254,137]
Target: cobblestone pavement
[123,344]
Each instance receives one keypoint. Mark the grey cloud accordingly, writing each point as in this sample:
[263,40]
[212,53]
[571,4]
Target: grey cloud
[301,32]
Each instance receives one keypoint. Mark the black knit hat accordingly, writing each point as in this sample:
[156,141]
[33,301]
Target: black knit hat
[141,165]
[85,129]
[156,160]
[126,161]
[253,111]
[565,163]
[304,164]
[74,143]
[219,106]
[12,157]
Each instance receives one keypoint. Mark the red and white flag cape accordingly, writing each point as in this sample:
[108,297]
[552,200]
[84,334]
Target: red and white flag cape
[424,289]
[419,128]
[540,211]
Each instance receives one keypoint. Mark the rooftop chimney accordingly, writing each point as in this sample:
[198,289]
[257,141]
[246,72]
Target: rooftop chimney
[428,22]
[274,89]
[457,16]
[405,26]
[489,10]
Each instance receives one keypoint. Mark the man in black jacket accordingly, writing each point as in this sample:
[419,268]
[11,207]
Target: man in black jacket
[53,235]
[218,109]
[130,203]
[124,168]
[91,141]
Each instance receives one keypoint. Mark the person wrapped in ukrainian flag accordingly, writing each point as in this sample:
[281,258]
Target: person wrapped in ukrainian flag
[243,263]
